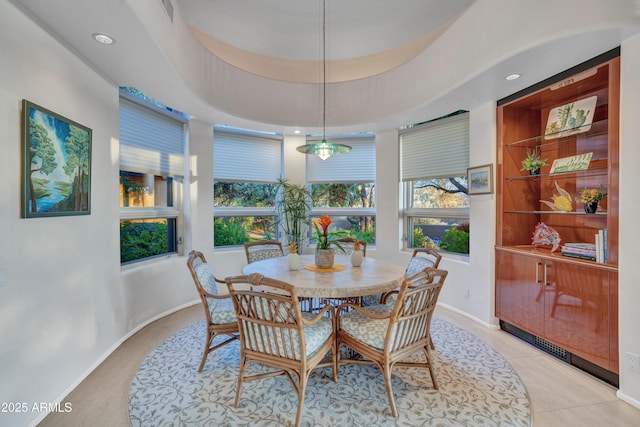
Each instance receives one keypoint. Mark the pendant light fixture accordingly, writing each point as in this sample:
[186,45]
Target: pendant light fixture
[324,149]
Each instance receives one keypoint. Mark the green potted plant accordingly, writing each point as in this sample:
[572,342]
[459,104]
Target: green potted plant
[324,252]
[534,161]
[293,202]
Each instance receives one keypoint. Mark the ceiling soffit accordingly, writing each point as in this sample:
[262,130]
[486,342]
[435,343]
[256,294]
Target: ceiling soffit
[305,71]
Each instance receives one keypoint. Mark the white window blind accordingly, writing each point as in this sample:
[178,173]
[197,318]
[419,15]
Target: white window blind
[358,165]
[150,142]
[244,157]
[437,149]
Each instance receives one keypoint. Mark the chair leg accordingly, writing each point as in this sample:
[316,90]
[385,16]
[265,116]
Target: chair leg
[334,360]
[207,346]
[433,347]
[243,367]
[302,387]
[386,373]
[430,365]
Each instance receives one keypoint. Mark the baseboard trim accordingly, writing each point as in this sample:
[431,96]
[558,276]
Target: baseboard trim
[630,400]
[468,316]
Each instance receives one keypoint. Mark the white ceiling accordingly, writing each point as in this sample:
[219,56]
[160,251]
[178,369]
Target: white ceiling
[394,62]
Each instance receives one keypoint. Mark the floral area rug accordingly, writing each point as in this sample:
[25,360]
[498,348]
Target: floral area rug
[477,387]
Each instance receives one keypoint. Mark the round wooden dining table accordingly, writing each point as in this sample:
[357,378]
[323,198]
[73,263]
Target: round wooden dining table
[373,276]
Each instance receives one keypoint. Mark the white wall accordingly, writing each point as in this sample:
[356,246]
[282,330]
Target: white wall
[65,303]
[57,305]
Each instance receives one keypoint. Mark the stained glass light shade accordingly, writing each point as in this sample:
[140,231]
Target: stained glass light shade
[324,149]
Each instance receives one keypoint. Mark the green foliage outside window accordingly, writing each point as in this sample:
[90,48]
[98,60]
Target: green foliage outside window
[233,231]
[456,239]
[342,195]
[368,235]
[140,240]
[229,232]
[422,241]
[244,194]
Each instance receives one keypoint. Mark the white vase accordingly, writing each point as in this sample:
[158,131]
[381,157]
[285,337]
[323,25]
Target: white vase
[293,261]
[356,258]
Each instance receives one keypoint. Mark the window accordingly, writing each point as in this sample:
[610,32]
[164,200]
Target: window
[343,187]
[152,140]
[434,158]
[247,166]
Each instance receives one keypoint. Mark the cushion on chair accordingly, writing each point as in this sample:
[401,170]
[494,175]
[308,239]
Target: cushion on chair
[315,336]
[264,254]
[416,265]
[381,308]
[369,300]
[206,278]
[365,329]
[222,311]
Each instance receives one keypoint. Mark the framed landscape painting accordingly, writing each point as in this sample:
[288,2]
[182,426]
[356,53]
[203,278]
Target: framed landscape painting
[56,164]
[480,179]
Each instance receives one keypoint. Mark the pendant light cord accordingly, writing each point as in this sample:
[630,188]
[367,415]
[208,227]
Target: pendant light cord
[324,71]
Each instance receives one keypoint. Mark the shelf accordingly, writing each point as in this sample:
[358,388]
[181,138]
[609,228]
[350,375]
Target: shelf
[600,214]
[582,174]
[545,252]
[595,129]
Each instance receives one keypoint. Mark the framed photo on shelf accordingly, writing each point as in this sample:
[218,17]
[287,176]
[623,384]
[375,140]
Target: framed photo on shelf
[56,164]
[480,179]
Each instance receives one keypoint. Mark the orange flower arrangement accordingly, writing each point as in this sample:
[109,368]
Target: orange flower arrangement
[322,233]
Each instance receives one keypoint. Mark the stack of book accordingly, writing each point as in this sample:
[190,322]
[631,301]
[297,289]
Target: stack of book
[586,251]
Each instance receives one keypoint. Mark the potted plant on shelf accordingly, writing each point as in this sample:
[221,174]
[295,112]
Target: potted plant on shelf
[293,202]
[590,197]
[324,252]
[534,161]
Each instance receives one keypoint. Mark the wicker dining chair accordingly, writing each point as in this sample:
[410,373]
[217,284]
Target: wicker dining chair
[262,249]
[219,314]
[275,333]
[348,242]
[422,258]
[385,338]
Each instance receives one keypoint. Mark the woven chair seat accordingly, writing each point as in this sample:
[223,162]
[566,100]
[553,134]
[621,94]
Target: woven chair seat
[223,311]
[370,331]
[315,336]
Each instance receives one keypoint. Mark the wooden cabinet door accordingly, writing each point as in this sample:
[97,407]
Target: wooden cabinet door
[577,310]
[520,294]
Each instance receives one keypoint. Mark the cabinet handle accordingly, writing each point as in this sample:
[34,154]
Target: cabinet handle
[538,272]
[546,282]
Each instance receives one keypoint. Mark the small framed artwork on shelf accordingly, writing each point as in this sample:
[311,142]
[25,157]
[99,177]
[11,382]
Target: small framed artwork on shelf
[578,162]
[569,119]
[480,179]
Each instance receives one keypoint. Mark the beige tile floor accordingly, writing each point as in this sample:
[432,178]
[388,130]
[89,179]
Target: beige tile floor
[561,395]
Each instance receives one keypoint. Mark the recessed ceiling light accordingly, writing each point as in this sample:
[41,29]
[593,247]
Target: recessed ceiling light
[297,131]
[103,38]
[512,76]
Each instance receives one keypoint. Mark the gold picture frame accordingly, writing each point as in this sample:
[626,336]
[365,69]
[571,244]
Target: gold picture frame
[480,179]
